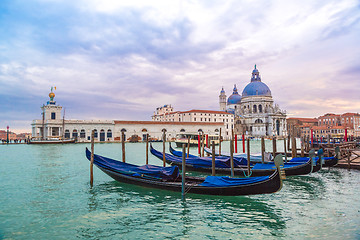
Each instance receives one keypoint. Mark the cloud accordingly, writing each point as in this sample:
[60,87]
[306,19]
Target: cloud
[121,59]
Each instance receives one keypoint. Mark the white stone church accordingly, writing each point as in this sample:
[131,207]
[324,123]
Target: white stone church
[254,110]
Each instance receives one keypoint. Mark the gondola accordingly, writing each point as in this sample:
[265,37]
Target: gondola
[326,161]
[256,158]
[168,178]
[222,165]
[241,162]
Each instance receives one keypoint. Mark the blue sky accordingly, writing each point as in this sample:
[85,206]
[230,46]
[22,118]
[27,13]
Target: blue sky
[122,59]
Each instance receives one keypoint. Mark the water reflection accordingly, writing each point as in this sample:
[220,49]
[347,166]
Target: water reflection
[146,208]
[306,187]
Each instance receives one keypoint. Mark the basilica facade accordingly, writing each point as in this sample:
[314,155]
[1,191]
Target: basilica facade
[254,110]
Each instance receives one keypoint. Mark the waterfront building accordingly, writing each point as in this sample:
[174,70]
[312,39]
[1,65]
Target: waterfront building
[254,111]
[4,135]
[301,127]
[330,124]
[52,125]
[221,118]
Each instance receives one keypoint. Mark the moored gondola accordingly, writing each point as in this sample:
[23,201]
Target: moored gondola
[222,165]
[168,178]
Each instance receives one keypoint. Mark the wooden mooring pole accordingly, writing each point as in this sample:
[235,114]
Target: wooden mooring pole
[183,169]
[123,145]
[220,143]
[232,155]
[92,159]
[274,146]
[243,142]
[164,140]
[199,145]
[236,144]
[147,149]
[213,159]
[302,146]
[248,156]
[262,150]
[285,151]
[203,145]
[293,147]
[188,147]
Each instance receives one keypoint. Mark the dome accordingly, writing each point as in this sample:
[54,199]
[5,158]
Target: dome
[234,98]
[222,91]
[256,87]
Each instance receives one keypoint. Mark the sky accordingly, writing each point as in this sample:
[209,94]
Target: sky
[120,60]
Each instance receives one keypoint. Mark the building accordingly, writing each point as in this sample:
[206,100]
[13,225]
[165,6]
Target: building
[4,135]
[337,123]
[166,114]
[255,112]
[301,127]
[330,124]
[52,125]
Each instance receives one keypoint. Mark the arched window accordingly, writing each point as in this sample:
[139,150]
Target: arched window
[82,133]
[163,130]
[216,130]
[75,133]
[102,135]
[182,130]
[95,133]
[144,130]
[254,108]
[67,133]
[123,130]
[200,130]
[258,121]
[109,133]
[260,108]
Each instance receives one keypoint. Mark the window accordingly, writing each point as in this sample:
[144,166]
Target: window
[53,115]
[82,133]
[260,108]
[75,133]
[109,134]
[254,107]
[67,133]
[195,119]
[95,133]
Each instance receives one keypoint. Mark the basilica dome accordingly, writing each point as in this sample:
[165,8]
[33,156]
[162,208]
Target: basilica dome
[234,98]
[256,87]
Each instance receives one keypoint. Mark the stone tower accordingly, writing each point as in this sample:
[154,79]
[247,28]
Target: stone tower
[222,100]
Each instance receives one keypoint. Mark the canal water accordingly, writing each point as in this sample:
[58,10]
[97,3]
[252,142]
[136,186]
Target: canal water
[45,194]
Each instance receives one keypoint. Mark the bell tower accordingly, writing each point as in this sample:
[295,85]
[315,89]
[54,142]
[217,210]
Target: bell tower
[222,100]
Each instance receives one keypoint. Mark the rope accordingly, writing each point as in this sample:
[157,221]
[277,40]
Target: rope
[191,185]
[249,174]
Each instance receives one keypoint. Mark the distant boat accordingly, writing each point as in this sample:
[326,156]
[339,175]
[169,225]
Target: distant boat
[194,139]
[168,178]
[51,141]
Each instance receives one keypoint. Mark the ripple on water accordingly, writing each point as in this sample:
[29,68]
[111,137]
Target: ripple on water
[45,194]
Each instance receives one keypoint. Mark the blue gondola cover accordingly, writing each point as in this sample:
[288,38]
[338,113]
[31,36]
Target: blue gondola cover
[215,181]
[150,171]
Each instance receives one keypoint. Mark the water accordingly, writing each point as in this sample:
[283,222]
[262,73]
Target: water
[45,194]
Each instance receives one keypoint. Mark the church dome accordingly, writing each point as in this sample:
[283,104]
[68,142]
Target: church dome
[256,87]
[234,98]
